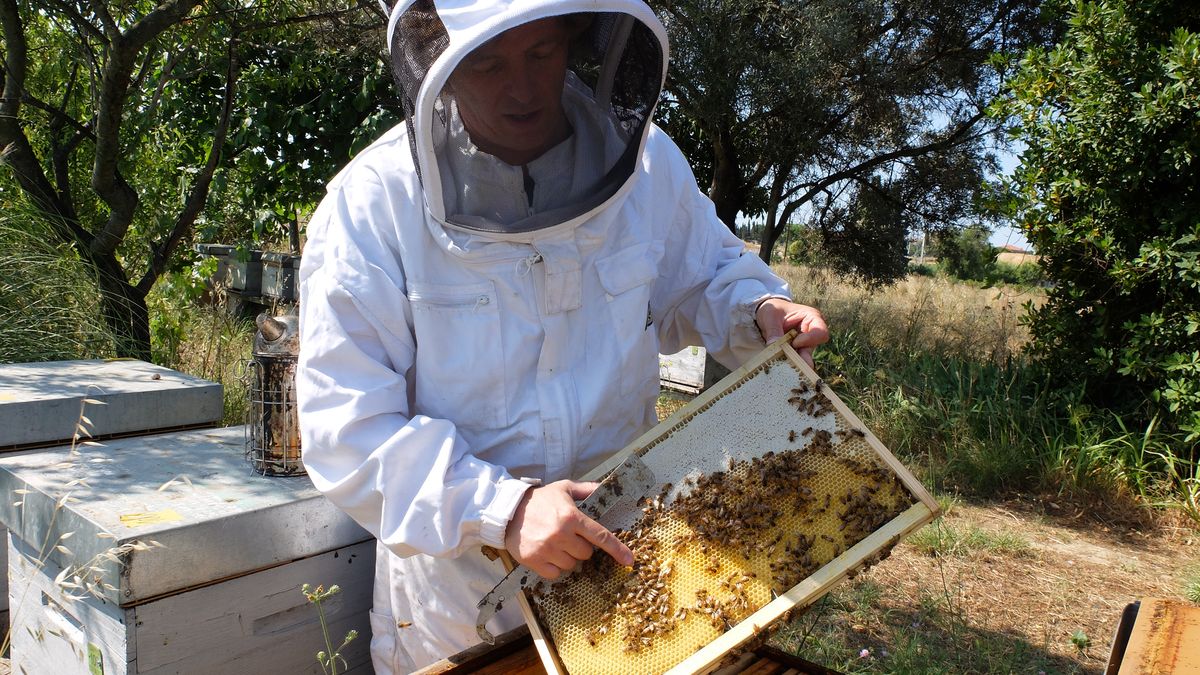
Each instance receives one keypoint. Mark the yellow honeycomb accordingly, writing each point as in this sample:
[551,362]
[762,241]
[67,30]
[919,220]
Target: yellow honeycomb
[757,490]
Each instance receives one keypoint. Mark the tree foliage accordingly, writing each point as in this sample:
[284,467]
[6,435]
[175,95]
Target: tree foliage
[120,120]
[829,111]
[1108,192]
[966,254]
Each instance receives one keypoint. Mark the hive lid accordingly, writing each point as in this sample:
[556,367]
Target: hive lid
[40,403]
[190,491]
[772,491]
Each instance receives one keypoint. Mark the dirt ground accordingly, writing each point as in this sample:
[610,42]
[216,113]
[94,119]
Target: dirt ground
[1078,571]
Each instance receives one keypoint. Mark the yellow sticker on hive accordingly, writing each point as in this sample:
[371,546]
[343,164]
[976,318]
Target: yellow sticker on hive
[150,518]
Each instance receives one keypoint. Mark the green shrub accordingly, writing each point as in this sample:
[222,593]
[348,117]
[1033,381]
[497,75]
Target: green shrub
[1108,192]
[1025,274]
[923,270]
[966,254]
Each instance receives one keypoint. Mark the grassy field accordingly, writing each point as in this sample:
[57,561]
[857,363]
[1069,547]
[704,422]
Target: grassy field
[936,368]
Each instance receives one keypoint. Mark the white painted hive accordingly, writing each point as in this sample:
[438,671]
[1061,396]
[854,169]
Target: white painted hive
[770,490]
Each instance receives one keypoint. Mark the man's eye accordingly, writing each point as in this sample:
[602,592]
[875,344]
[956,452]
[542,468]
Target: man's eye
[484,67]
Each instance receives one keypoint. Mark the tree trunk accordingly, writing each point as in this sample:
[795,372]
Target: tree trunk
[770,235]
[124,310]
[726,191]
[294,232]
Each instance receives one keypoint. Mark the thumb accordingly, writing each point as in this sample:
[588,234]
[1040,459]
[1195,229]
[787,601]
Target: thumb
[581,490]
[770,321]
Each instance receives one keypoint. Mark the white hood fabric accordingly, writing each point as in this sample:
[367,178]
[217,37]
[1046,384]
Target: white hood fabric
[444,358]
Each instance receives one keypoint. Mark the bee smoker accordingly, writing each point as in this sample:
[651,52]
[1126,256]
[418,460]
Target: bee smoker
[272,428]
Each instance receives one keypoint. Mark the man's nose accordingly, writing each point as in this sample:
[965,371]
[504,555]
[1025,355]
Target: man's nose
[521,86]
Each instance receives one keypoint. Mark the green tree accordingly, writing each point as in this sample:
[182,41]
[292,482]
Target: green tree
[1108,192]
[815,108]
[117,122]
[966,254]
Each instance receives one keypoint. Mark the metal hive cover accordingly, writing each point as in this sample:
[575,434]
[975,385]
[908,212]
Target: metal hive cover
[191,491]
[770,491]
[40,403]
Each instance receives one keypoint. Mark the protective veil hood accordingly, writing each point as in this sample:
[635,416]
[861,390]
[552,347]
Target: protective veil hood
[616,72]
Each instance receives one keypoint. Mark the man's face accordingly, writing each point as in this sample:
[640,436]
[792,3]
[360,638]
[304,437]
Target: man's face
[509,91]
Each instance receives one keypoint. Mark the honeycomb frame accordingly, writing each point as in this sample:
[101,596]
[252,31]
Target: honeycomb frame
[820,416]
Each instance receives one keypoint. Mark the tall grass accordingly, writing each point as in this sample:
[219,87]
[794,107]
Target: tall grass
[194,331]
[936,369]
[48,299]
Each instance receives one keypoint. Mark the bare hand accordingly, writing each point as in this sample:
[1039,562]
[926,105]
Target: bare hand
[550,535]
[777,316]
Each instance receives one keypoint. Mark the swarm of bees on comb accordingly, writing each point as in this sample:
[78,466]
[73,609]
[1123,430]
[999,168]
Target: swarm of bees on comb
[712,548]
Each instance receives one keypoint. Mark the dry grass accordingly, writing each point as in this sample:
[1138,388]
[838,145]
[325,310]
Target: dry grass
[929,314]
[208,342]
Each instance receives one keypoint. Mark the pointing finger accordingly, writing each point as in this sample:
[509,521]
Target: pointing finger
[606,541]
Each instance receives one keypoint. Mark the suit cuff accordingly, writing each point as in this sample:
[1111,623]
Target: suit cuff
[499,512]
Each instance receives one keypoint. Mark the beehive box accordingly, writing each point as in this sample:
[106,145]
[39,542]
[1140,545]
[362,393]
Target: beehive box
[219,591]
[279,276]
[683,370]
[41,404]
[771,491]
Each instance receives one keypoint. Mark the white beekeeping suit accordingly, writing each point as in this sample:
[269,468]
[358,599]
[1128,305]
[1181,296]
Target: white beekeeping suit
[467,324]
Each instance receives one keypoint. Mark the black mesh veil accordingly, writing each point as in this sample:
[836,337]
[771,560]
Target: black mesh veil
[617,56]
[419,39]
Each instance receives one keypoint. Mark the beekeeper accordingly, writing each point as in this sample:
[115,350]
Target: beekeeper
[486,290]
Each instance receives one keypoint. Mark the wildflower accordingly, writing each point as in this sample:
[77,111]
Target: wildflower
[864,654]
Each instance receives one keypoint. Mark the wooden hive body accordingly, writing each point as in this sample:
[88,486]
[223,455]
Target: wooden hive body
[770,491]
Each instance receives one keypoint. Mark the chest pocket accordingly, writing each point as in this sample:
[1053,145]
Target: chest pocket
[459,373]
[626,277]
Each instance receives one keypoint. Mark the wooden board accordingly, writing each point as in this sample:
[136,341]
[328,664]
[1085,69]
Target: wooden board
[683,370]
[515,654]
[1165,640]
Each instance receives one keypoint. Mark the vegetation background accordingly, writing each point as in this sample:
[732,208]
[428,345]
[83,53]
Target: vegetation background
[130,131]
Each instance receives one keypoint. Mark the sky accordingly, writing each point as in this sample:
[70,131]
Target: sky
[1008,235]
[1004,234]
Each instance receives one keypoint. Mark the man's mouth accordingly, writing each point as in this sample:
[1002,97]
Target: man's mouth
[522,118]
